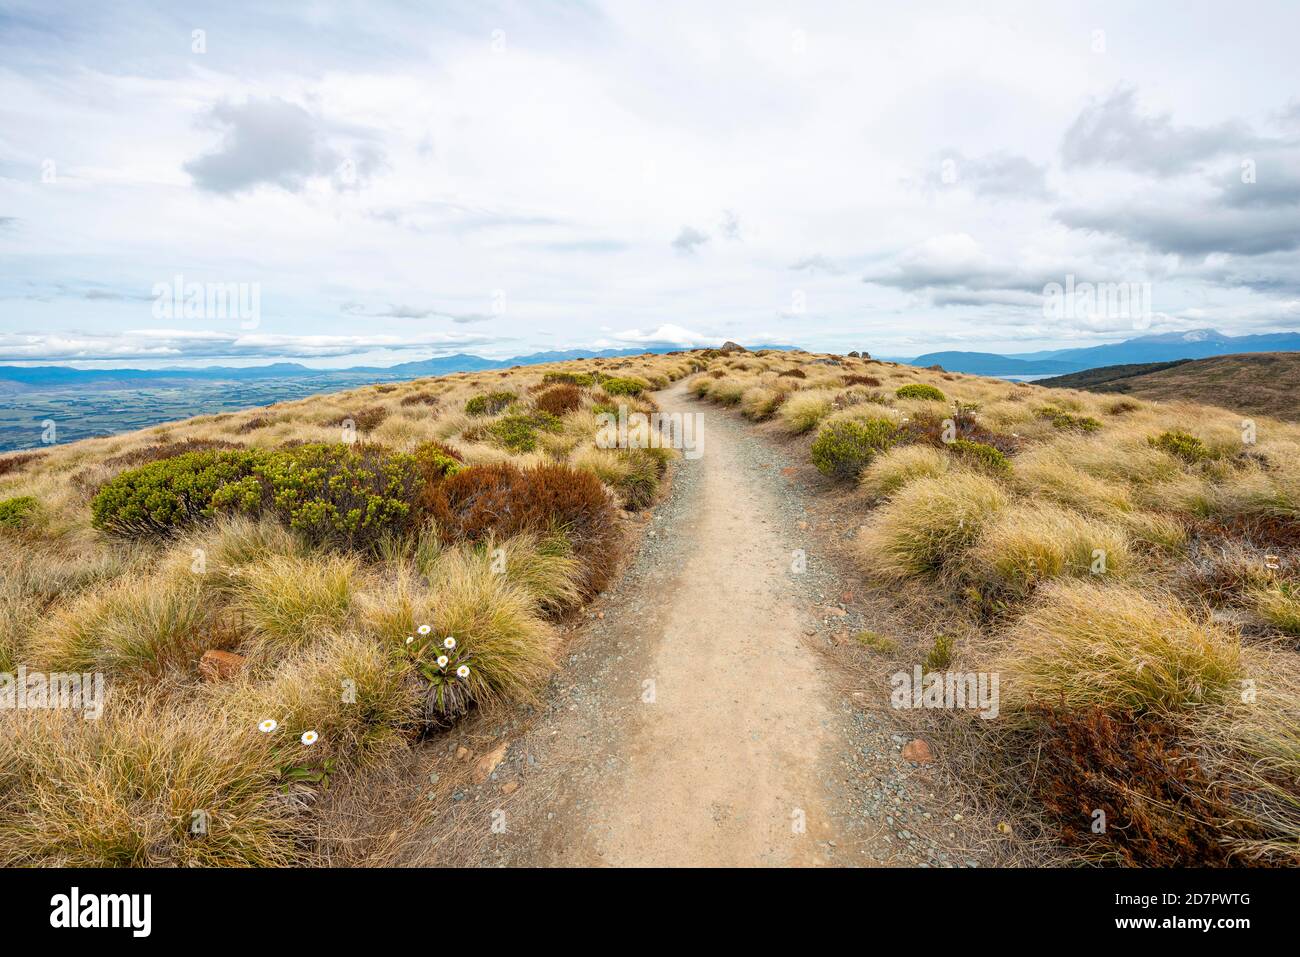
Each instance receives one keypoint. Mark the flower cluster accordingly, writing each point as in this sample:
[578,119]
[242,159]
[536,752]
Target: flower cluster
[446,667]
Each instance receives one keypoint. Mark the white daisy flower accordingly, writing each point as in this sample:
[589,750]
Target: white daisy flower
[462,671]
[442,661]
[449,643]
[267,726]
[309,737]
[424,629]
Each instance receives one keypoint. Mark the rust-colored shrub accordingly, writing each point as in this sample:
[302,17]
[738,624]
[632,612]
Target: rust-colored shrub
[867,380]
[11,463]
[795,374]
[506,500]
[255,423]
[367,419]
[559,400]
[419,398]
[1160,809]
[166,450]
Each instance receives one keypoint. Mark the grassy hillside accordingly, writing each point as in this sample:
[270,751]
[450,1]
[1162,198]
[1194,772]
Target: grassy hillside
[291,595]
[1263,383]
[1130,571]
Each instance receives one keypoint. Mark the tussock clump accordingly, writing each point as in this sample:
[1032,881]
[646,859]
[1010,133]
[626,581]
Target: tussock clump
[1086,645]
[122,791]
[1033,542]
[929,523]
[802,411]
[760,402]
[288,603]
[429,399]
[15,462]
[895,468]
[1279,607]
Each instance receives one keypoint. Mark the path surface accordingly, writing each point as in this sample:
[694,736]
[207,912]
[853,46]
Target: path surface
[695,721]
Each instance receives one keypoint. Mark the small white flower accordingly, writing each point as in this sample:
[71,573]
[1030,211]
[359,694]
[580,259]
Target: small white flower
[309,737]
[410,638]
[442,661]
[424,629]
[267,726]
[462,671]
[449,643]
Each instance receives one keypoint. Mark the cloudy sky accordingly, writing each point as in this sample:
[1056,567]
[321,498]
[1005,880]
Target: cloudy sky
[394,181]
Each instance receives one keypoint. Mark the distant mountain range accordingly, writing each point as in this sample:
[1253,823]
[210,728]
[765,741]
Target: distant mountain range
[27,378]
[1167,347]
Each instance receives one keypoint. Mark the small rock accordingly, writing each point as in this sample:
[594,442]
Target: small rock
[462,753]
[509,787]
[918,752]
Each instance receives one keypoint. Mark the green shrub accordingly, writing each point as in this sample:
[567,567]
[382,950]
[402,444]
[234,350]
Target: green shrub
[982,456]
[918,390]
[518,433]
[488,404]
[843,449]
[17,512]
[345,495]
[1068,421]
[939,657]
[1182,445]
[174,492]
[623,386]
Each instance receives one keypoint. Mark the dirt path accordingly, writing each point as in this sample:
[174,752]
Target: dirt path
[696,719]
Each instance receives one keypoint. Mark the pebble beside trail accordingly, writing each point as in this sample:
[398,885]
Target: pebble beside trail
[695,720]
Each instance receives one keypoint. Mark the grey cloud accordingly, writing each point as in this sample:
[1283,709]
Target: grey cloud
[1193,229]
[688,239]
[277,143]
[1114,132]
[730,225]
[396,311]
[999,175]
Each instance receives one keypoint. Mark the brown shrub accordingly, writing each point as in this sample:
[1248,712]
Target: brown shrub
[255,423]
[1160,808]
[717,373]
[1262,531]
[366,419]
[929,428]
[505,500]
[419,398]
[11,463]
[867,380]
[559,400]
[166,450]
[793,373]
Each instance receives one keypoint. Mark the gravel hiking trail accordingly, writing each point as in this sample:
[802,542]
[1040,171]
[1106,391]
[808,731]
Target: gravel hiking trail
[696,719]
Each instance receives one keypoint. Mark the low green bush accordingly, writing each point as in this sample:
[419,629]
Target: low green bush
[918,390]
[1182,445]
[1068,421]
[17,512]
[488,404]
[981,456]
[844,448]
[623,386]
[344,495]
[518,433]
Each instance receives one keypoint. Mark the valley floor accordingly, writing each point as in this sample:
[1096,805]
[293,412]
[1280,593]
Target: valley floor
[701,716]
